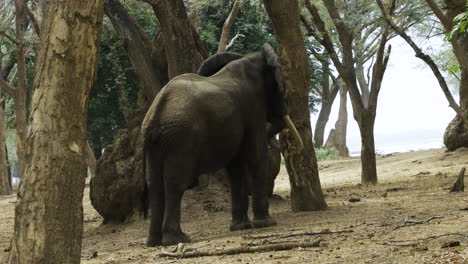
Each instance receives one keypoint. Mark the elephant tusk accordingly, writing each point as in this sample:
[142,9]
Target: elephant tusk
[296,135]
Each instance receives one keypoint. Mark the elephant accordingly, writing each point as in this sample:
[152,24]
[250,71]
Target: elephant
[221,117]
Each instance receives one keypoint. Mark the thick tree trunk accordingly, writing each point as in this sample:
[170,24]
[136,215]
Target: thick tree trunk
[456,134]
[306,192]
[368,163]
[49,211]
[5,182]
[184,49]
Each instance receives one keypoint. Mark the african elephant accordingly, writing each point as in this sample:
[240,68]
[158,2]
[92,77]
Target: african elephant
[199,124]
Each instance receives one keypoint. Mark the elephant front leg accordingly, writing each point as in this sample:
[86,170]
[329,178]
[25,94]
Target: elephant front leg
[239,197]
[260,202]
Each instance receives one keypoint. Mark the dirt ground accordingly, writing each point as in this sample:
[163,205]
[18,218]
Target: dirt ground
[409,217]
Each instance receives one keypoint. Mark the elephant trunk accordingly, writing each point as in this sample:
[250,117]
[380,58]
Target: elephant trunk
[291,126]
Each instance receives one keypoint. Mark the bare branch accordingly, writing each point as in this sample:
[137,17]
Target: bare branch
[238,35]
[7,88]
[3,33]
[325,40]
[310,30]
[227,26]
[426,58]
[438,12]
[32,18]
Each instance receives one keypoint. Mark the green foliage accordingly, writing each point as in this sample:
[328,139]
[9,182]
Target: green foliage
[327,154]
[251,21]
[460,29]
[116,86]
[314,52]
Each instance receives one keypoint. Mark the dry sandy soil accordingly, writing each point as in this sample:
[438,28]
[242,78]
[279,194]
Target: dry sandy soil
[379,228]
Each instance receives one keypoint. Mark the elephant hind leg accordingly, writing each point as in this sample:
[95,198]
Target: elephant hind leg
[178,176]
[155,196]
[237,174]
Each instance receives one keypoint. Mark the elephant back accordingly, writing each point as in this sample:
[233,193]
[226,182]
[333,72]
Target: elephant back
[216,62]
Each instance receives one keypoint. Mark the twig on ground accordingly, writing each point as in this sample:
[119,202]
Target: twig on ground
[408,222]
[282,235]
[415,242]
[240,250]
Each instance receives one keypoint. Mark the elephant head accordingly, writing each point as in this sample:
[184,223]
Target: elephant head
[278,115]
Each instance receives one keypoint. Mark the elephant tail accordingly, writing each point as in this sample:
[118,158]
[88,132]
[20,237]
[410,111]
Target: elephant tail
[144,198]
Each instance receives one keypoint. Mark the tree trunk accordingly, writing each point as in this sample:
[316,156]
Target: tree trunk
[5,182]
[306,192]
[20,91]
[184,49]
[337,139]
[456,134]
[328,97]
[368,163]
[49,211]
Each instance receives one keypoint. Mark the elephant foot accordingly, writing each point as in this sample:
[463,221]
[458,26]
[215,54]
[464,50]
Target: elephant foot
[154,240]
[264,222]
[246,224]
[173,238]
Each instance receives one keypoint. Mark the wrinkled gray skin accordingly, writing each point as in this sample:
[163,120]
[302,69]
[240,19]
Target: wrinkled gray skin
[200,124]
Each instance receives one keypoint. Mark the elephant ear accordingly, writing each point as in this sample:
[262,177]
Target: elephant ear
[216,62]
[270,55]
[272,61]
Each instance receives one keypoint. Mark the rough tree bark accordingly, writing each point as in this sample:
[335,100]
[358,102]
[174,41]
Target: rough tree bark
[49,212]
[306,192]
[364,115]
[116,189]
[5,183]
[184,49]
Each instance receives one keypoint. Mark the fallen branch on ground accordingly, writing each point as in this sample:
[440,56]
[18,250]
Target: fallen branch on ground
[193,253]
[282,235]
[459,185]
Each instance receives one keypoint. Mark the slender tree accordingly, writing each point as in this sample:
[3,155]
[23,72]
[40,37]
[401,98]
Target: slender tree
[306,192]
[18,93]
[49,211]
[364,107]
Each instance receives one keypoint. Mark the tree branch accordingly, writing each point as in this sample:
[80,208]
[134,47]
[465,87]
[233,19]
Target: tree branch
[7,88]
[3,33]
[227,27]
[325,40]
[438,12]
[234,39]
[426,58]
[32,18]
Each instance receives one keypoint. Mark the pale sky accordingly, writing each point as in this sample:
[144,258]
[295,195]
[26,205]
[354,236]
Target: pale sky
[410,100]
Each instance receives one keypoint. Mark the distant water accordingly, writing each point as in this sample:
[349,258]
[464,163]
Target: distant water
[400,142]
